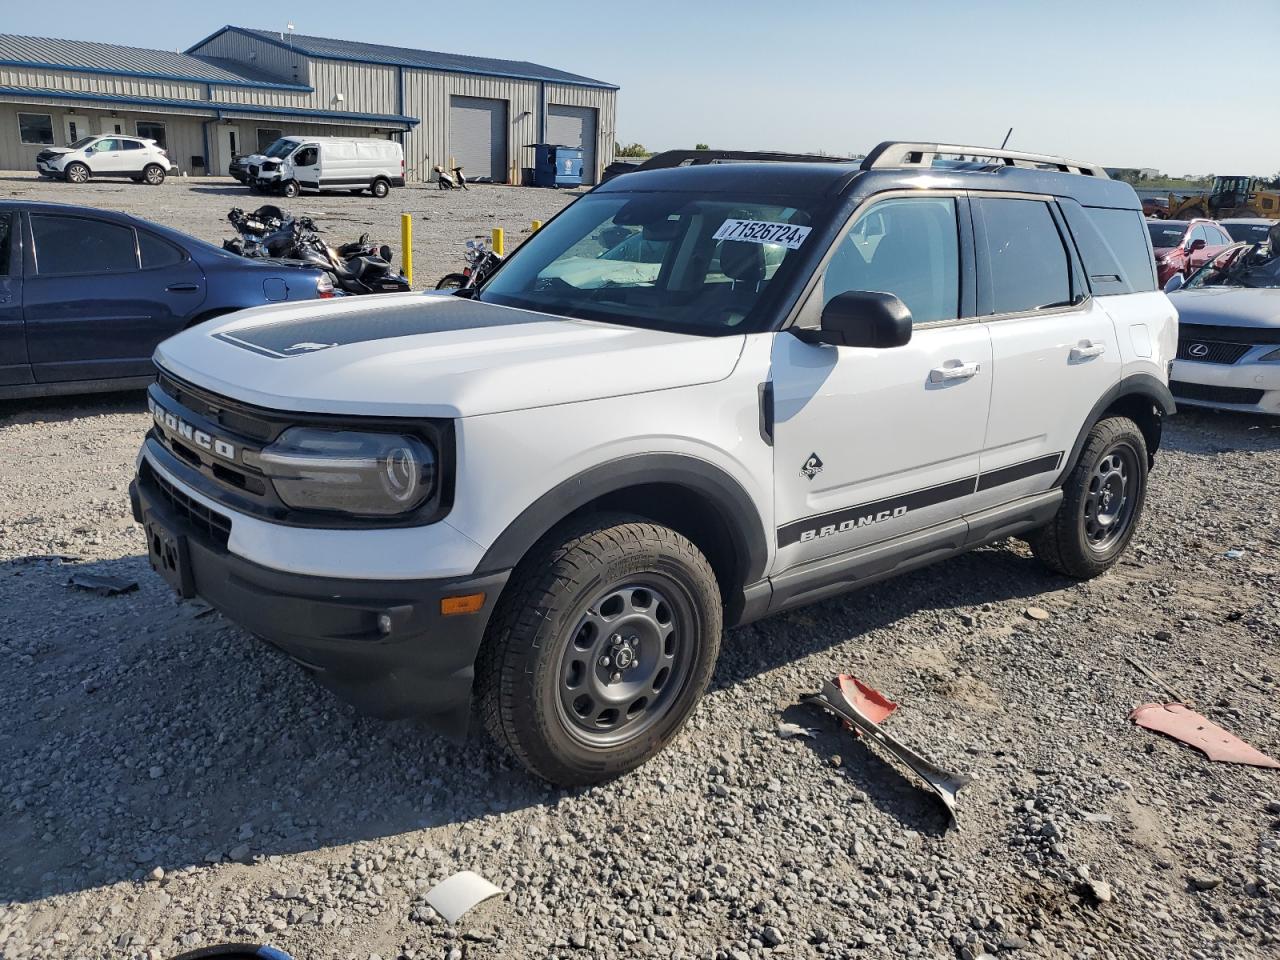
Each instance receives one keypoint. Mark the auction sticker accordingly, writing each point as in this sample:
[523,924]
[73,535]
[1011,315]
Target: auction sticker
[762,231]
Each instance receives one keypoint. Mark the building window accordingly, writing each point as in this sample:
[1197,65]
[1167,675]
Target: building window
[36,128]
[266,137]
[152,130]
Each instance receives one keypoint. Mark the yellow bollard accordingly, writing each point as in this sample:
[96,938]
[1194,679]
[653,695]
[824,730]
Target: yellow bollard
[536,225]
[406,246]
[497,241]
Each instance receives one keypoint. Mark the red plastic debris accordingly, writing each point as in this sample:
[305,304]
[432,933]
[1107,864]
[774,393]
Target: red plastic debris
[870,701]
[1179,721]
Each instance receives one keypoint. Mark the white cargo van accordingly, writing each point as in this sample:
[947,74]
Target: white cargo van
[355,164]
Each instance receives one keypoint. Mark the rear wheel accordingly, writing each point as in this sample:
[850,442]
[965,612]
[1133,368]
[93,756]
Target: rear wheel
[153,174]
[601,647]
[77,173]
[1102,502]
[380,188]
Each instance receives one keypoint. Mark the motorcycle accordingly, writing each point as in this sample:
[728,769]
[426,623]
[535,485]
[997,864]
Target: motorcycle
[481,262]
[450,181]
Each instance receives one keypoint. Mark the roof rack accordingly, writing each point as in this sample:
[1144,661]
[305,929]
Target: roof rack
[679,158]
[895,153]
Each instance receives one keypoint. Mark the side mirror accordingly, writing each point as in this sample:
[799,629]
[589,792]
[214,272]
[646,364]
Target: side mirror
[1174,283]
[862,318]
[1196,245]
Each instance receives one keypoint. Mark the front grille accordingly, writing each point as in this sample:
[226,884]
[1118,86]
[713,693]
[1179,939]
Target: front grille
[253,169]
[219,410]
[1211,351]
[45,155]
[1211,394]
[211,525]
[1193,332]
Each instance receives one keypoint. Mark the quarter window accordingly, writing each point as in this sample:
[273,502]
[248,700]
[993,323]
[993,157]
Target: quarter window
[1027,261]
[36,128]
[156,252]
[6,233]
[70,245]
[908,247]
[1122,231]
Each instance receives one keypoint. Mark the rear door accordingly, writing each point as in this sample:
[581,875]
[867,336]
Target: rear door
[92,311]
[13,344]
[1054,349]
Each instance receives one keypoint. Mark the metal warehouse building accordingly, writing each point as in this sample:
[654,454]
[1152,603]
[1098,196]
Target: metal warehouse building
[236,91]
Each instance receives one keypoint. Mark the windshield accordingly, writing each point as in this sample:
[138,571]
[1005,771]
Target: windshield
[82,143]
[693,264]
[1248,232]
[281,148]
[1166,234]
[1240,265]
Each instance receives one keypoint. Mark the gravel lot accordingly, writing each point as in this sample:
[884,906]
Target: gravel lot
[442,220]
[167,782]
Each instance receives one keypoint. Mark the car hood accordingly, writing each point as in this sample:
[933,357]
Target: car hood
[58,151]
[1229,306]
[430,355]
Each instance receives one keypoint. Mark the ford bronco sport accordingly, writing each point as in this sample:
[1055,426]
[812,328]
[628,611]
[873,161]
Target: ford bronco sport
[696,397]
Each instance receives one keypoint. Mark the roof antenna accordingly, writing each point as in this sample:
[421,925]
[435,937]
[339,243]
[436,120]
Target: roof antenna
[1006,138]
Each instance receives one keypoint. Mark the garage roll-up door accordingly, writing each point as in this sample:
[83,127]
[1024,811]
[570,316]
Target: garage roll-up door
[575,127]
[478,136]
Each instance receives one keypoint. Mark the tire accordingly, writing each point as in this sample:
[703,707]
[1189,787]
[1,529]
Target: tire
[1192,213]
[76,173]
[153,174]
[452,281]
[380,188]
[550,671]
[291,189]
[1102,502]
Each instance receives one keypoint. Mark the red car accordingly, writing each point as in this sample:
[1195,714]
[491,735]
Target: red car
[1184,246]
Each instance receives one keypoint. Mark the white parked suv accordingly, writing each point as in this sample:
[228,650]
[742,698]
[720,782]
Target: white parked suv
[554,492]
[110,155]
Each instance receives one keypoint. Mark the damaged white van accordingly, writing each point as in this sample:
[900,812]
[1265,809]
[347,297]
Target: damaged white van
[354,164]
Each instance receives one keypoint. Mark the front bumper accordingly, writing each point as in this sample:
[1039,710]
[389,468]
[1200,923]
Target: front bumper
[423,667]
[1244,386]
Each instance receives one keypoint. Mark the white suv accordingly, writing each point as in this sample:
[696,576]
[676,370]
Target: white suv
[110,155]
[800,378]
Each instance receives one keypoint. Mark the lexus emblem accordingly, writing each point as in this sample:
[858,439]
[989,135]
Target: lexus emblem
[1198,350]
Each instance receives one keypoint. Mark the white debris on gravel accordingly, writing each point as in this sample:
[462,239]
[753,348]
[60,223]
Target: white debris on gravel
[280,815]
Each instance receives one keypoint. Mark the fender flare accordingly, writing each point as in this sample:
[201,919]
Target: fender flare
[1135,385]
[734,505]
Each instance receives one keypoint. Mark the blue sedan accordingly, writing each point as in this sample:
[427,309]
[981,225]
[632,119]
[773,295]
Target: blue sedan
[85,295]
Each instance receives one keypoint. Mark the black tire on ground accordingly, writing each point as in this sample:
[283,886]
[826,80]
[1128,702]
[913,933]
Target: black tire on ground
[380,188]
[153,174]
[600,648]
[76,173]
[452,281]
[291,189]
[1102,502]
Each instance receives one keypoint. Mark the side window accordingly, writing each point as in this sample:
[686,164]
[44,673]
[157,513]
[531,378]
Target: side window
[306,156]
[1200,233]
[156,252]
[1027,261]
[106,145]
[6,243]
[909,247]
[71,245]
[132,144]
[1122,235]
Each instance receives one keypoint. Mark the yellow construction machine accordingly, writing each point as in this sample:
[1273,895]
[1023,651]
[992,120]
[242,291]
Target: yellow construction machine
[1230,197]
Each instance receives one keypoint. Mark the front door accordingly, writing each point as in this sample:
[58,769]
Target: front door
[13,342]
[873,444]
[107,156]
[228,147]
[91,312]
[75,127]
[1054,350]
[306,165]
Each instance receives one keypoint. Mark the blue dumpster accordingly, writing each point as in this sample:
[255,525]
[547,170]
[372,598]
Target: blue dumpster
[557,165]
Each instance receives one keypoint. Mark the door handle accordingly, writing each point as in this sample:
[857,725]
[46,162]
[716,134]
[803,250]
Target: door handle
[955,370]
[1086,349]
[183,288]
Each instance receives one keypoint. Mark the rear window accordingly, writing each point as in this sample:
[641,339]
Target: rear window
[1121,230]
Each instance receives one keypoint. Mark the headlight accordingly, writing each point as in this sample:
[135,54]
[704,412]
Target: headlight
[1273,356]
[367,474]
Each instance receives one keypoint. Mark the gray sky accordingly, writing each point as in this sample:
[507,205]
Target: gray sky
[1112,83]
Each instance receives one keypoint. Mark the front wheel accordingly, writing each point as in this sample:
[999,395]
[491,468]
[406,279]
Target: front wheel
[1102,502]
[452,281]
[77,173]
[600,648]
[291,189]
[153,175]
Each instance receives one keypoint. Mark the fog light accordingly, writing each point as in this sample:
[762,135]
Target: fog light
[467,603]
[384,623]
